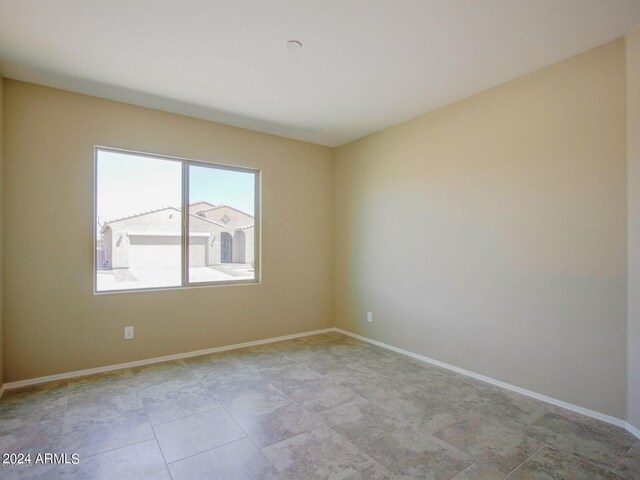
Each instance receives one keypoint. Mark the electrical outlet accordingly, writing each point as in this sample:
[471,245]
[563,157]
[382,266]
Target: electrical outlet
[128,333]
[369,317]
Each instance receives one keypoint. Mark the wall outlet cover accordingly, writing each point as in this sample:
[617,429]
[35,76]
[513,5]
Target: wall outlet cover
[128,333]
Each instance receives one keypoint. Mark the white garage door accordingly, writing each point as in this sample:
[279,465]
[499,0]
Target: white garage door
[197,248]
[154,251]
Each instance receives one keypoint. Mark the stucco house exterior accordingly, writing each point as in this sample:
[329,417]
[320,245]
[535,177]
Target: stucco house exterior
[218,234]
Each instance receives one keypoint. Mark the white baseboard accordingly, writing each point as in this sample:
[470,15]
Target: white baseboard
[91,371]
[633,430]
[553,401]
[150,361]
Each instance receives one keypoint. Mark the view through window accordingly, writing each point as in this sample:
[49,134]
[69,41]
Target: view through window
[144,241]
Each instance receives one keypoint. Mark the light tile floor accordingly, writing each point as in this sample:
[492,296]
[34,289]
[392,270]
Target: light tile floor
[320,407]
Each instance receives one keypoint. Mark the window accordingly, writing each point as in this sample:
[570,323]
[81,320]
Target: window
[165,222]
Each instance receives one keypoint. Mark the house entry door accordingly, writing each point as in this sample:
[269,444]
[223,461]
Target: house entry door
[226,243]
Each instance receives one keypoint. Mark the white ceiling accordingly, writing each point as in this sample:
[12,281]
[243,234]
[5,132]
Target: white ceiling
[364,65]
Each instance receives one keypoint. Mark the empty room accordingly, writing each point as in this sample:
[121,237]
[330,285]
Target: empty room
[320,239]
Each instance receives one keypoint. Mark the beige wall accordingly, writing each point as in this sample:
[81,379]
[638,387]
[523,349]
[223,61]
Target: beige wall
[54,323]
[491,234]
[633,179]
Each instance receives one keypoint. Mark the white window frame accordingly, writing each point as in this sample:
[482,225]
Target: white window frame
[186,163]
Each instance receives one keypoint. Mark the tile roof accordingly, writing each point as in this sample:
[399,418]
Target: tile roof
[216,207]
[148,212]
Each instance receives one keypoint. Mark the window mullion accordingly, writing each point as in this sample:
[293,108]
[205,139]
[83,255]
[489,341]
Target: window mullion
[185,224]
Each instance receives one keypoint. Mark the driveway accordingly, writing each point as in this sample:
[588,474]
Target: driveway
[163,277]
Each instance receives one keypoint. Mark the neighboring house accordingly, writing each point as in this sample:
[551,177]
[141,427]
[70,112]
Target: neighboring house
[218,234]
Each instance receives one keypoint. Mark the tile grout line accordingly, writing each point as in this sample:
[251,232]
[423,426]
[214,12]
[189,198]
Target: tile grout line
[519,432]
[567,452]
[492,381]
[359,449]
[184,416]
[622,457]
[287,439]
[324,425]
[64,420]
[578,458]
[542,446]
[220,405]
[207,450]
[109,450]
[575,455]
[200,384]
[475,462]
[166,465]
[494,422]
[262,453]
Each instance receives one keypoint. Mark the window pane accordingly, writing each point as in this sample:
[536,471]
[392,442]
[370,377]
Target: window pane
[221,224]
[138,216]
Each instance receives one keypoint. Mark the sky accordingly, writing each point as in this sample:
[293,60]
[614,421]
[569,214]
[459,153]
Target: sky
[129,184]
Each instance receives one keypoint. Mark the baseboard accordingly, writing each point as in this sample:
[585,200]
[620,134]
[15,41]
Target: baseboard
[633,430]
[538,396]
[150,361]
[139,363]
